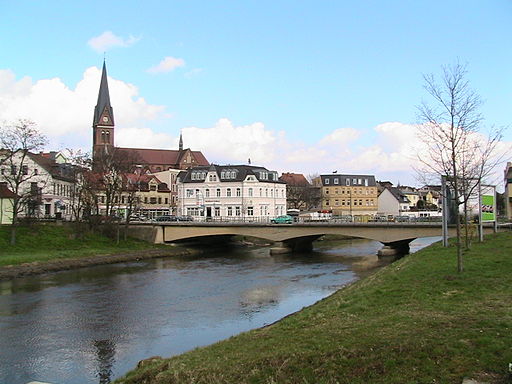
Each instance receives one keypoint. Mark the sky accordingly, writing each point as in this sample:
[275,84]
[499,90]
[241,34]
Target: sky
[309,87]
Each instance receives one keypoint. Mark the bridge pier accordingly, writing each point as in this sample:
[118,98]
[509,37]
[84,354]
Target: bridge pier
[299,244]
[395,248]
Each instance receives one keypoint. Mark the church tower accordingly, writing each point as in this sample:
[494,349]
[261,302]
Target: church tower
[103,121]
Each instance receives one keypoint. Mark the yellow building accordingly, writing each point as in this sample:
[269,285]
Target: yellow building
[349,194]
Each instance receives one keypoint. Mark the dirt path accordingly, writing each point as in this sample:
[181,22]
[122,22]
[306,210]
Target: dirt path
[35,268]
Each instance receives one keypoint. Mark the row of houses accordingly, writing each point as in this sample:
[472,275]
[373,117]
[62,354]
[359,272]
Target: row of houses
[182,182]
[228,192]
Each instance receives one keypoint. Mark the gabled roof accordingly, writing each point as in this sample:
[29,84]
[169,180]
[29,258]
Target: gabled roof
[162,156]
[398,195]
[63,171]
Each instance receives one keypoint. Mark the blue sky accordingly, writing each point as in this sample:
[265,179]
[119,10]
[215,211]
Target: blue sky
[289,78]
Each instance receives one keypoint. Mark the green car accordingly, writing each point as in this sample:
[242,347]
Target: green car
[285,219]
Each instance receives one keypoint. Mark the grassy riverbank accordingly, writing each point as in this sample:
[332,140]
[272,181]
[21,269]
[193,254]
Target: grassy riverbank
[415,321]
[42,243]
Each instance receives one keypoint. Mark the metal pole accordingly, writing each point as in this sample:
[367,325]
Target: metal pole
[445,211]
[495,209]
[480,223]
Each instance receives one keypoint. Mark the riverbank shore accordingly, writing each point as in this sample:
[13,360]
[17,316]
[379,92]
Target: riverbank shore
[34,268]
[415,321]
[50,248]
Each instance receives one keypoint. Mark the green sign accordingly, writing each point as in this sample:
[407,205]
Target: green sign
[488,206]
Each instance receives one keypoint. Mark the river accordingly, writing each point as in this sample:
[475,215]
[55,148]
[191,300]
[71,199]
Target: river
[92,325]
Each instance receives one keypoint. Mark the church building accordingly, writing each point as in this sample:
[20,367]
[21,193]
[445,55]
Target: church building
[153,160]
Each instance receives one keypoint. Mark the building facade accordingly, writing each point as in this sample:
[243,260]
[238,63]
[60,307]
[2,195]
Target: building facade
[349,194]
[6,204]
[231,192]
[45,187]
[392,201]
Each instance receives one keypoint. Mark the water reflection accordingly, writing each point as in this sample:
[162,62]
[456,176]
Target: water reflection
[92,325]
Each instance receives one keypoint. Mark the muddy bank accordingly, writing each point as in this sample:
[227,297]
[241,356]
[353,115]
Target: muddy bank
[35,268]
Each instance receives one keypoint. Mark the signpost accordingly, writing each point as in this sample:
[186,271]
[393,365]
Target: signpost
[487,207]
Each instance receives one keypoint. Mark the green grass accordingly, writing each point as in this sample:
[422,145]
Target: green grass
[49,242]
[415,321]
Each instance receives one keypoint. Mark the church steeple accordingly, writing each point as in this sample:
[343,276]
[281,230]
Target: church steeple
[181,143]
[103,121]
[103,113]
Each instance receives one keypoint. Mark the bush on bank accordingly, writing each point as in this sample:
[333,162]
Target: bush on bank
[415,321]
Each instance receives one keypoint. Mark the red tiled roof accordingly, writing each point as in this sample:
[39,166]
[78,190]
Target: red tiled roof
[295,179]
[162,156]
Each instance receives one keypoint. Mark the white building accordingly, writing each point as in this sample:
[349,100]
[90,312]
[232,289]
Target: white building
[393,202]
[46,183]
[231,192]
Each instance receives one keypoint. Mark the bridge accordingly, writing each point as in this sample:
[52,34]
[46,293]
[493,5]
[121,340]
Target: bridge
[292,237]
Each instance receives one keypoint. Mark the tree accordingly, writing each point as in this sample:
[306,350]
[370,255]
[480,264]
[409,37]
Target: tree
[110,173]
[450,130]
[17,143]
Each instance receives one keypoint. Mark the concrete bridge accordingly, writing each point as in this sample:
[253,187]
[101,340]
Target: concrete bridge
[294,237]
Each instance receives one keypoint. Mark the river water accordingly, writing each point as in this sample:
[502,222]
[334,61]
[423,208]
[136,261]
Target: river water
[92,325]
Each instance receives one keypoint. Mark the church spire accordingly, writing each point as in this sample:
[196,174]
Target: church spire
[181,142]
[103,113]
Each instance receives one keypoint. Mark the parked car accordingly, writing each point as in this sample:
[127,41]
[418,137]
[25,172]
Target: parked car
[184,218]
[285,219]
[166,218]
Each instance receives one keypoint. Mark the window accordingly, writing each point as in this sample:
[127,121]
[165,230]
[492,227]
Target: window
[152,200]
[190,192]
[159,200]
[326,181]
[327,202]
[354,181]
[365,182]
[359,181]
[217,211]
[166,201]
[228,192]
[250,192]
[217,192]
[230,211]
[207,192]
[13,169]
[237,211]
[336,180]
[145,200]
[336,202]
[24,169]
[250,211]
[347,181]
[261,192]
[238,192]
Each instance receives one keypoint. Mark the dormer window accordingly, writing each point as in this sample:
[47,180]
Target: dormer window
[326,181]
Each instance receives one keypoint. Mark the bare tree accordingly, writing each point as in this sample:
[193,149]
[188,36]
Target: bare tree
[17,142]
[454,146]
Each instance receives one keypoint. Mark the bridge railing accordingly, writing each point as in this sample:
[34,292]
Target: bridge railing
[355,220]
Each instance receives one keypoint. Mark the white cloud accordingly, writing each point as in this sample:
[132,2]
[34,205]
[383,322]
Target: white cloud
[167,64]
[108,40]
[65,114]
